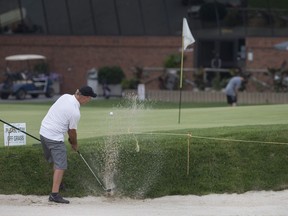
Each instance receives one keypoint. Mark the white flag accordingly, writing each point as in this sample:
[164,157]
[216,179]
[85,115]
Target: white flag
[187,36]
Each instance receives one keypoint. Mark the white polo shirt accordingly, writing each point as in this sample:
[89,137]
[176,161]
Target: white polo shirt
[64,114]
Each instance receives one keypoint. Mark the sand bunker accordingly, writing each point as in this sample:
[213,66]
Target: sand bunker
[261,203]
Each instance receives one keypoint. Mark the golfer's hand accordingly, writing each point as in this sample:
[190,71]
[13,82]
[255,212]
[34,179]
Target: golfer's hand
[73,145]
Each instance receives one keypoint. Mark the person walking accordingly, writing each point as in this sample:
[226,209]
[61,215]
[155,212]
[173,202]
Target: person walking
[62,117]
[232,89]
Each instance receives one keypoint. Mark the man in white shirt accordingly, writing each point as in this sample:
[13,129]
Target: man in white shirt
[62,117]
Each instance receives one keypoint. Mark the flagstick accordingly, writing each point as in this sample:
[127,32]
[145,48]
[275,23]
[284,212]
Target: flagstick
[189,39]
[188,154]
[181,77]
[180,98]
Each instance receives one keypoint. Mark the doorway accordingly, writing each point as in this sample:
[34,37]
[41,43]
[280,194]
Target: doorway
[219,56]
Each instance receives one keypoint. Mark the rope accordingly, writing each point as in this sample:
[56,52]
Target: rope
[190,136]
[215,138]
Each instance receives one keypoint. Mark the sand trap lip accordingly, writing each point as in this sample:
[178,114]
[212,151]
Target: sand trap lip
[262,203]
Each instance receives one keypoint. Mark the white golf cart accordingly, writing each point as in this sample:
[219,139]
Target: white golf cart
[28,81]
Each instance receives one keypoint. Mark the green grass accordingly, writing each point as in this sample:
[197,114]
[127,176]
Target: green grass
[138,117]
[219,162]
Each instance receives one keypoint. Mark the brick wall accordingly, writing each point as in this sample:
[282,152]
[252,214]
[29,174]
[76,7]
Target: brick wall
[264,53]
[265,56]
[73,56]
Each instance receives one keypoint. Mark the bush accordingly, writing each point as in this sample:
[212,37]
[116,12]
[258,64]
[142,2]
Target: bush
[110,75]
[130,84]
[173,61]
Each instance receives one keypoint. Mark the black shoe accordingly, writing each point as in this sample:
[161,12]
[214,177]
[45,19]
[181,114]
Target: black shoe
[58,199]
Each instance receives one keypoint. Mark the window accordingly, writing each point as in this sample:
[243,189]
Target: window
[155,17]
[130,19]
[81,17]
[105,16]
[34,18]
[10,16]
[57,17]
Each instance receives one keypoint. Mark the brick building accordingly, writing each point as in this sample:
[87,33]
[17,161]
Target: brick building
[77,37]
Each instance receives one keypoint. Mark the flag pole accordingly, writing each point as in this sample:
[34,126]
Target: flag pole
[181,79]
[187,39]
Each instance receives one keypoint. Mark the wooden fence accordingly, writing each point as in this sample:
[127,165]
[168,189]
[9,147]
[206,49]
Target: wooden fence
[202,96]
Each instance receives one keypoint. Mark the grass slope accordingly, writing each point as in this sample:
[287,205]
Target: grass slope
[218,160]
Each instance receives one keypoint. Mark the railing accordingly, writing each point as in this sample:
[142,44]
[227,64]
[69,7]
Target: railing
[203,96]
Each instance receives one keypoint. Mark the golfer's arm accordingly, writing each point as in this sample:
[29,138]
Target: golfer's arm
[72,133]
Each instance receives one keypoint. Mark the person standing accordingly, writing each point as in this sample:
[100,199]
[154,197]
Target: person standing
[232,89]
[62,117]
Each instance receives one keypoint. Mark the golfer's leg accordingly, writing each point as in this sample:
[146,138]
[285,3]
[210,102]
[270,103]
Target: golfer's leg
[57,179]
[235,101]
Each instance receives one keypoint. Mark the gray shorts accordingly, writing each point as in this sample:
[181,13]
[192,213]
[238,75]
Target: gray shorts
[55,152]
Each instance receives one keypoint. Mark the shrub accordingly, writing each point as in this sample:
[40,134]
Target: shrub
[110,75]
[130,83]
[173,61]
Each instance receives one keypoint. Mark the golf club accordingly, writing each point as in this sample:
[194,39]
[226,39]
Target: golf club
[107,190]
[20,130]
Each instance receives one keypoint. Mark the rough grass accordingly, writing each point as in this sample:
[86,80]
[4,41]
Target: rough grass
[142,151]
[160,166]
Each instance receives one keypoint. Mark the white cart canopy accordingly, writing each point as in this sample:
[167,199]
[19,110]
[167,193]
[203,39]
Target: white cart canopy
[24,57]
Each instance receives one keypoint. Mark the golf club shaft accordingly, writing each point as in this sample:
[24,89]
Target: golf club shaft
[92,171]
[20,130]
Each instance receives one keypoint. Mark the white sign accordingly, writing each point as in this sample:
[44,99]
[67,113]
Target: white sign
[14,137]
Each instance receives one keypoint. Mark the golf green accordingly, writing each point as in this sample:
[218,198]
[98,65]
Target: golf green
[96,120]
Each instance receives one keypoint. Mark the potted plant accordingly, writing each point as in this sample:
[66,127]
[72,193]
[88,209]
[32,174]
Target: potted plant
[110,79]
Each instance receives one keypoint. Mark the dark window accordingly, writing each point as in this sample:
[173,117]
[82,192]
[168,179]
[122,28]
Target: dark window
[57,17]
[280,22]
[130,19]
[225,50]
[227,53]
[34,17]
[259,22]
[106,17]
[10,16]
[81,17]
[175,14]
[206,18]
[205,53]
[155,17]
[233,23]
